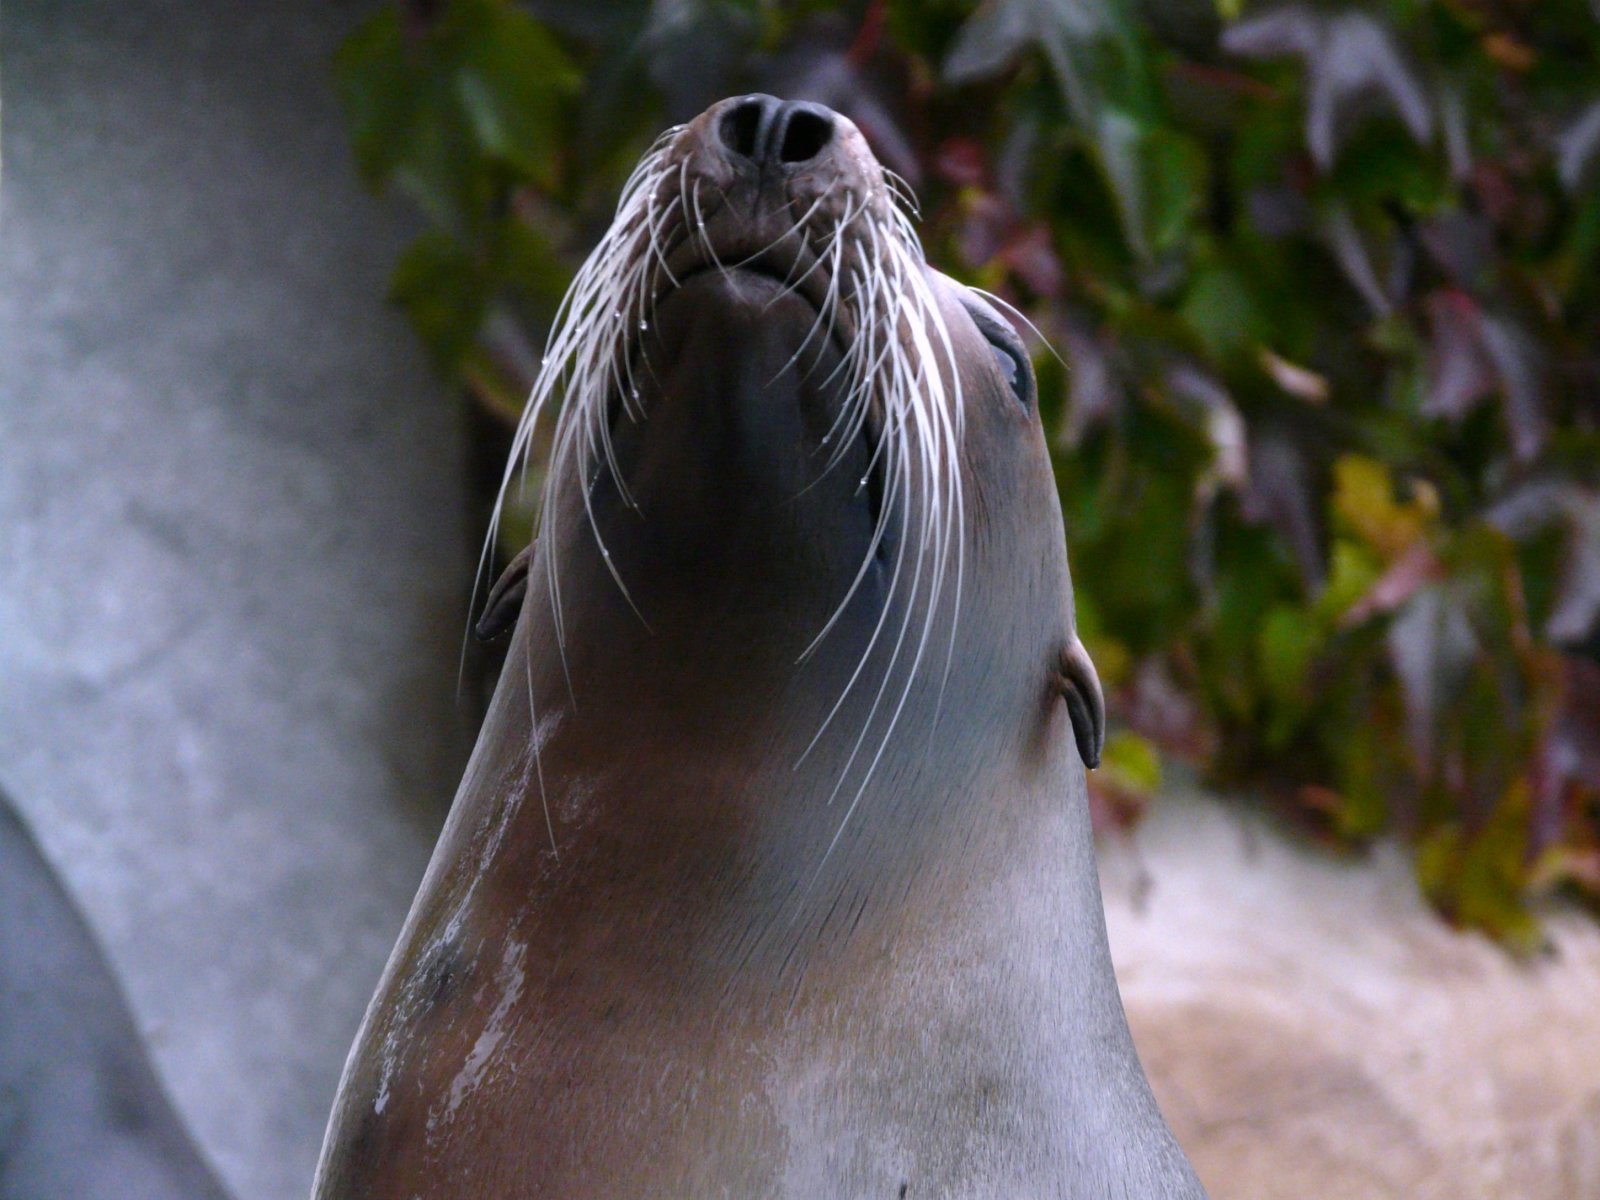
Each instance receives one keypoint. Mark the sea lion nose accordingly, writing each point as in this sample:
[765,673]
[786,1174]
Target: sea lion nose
[769,131]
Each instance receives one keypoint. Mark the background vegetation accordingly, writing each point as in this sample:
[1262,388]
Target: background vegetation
[1327,280]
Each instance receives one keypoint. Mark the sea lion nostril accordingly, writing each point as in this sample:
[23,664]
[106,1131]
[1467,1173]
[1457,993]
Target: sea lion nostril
[741,127]
[804,134]
[766,130]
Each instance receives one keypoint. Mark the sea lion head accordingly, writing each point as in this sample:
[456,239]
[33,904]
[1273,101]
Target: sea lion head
[784,438]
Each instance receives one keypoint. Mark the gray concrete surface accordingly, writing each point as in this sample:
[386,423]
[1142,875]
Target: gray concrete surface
[231,551]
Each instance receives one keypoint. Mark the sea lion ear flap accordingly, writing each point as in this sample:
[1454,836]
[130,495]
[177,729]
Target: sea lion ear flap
[505,598]
[1079,685]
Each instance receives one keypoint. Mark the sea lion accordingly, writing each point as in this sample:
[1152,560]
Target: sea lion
[82,1114]
[771,873]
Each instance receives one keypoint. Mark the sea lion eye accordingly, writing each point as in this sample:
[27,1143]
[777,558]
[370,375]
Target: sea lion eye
[1006,347]
[1011,367]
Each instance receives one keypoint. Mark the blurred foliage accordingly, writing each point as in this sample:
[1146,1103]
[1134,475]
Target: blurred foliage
[1328,282]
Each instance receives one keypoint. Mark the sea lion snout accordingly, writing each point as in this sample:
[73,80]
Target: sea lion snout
[771,132]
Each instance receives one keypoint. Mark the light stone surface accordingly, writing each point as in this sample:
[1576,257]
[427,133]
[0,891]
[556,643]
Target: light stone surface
[232,552]
[1312,1030]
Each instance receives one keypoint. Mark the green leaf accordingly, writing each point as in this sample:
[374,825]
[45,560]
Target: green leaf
[1221,312]
[376,81]
[1289,640]
[1132,762]
[444,292]
[1175,181]
[510,77]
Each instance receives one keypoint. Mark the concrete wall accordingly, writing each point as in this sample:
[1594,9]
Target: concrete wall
[232,562]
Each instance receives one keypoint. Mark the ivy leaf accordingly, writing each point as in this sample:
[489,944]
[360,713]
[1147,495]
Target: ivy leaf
[1001,31]
[1406,575]
[1432,646]
[1288,642]
[1222,312]
[1095,394]
[1578,148]
[1568,758]
[1350,59]
[1280,496]
[1576,616]
[1157,175]
[376,85]
[1364,502]
[1128,779]
[509,75]
[1477,879]
[1355,259]
[1471,353]
[1516,360]
[1460,373]
[444,292]
[1213,411]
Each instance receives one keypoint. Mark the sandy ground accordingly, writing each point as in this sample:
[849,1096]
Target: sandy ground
[1313,1031]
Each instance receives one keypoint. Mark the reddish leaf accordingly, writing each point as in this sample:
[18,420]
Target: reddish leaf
[1460,373]
[1032,256]
[1113,809]
[1567,763]
[987,224]
[1461,244]
[1281,496]
[1417,566]
[1095,393]
[1576,615]
[1517,361]
[1578,148]
[1157,707]
[1218,417]
[960,161]
[1350,59]
[1432,645]
[1354,258]
[1300,382]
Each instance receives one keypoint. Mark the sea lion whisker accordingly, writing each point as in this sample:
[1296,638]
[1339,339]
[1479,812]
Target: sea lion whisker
[700,228]
[828,309]
[566,369]
[819,254]
[951,415]
[866,654]
[872,712]
[1011,308]
[902,190]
